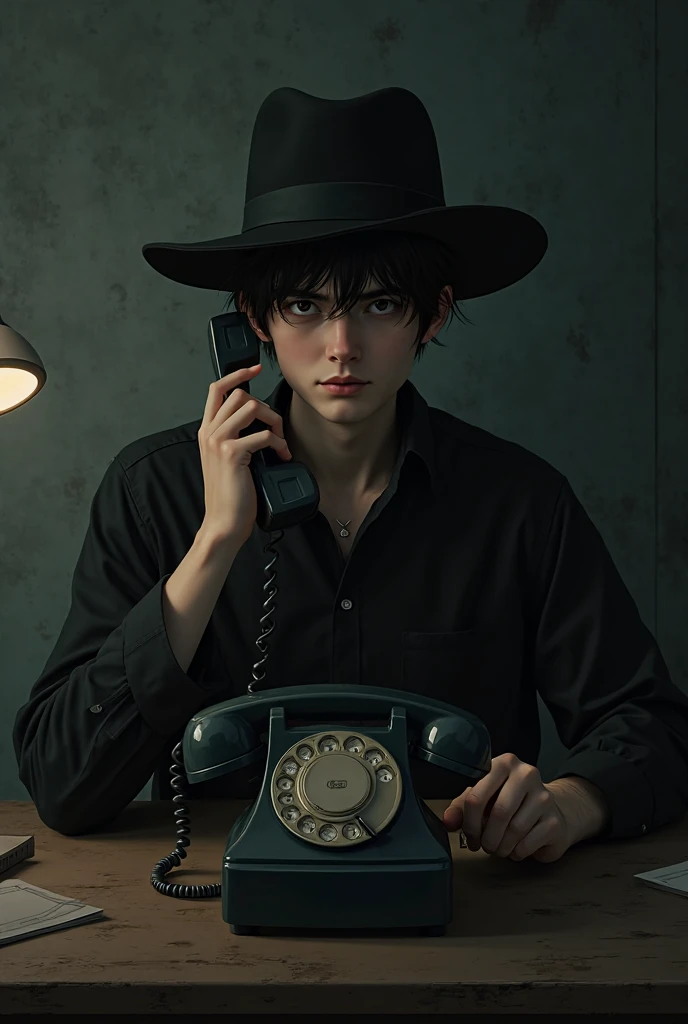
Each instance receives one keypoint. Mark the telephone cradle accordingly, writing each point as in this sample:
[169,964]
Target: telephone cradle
[337,839]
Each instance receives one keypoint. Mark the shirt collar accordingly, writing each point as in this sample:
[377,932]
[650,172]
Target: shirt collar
[413,410]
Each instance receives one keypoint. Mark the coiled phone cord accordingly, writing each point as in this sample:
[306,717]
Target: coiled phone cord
[174,859]
[266,623]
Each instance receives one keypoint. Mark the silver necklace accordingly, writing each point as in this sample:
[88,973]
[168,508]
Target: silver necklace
[343,532]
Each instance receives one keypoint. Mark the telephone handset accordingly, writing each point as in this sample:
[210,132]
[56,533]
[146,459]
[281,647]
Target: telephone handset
[287,492]
[337,839]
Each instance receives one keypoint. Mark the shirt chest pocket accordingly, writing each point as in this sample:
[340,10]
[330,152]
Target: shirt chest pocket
[474,669]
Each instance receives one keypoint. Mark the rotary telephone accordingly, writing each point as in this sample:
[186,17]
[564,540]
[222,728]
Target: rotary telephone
[337,840]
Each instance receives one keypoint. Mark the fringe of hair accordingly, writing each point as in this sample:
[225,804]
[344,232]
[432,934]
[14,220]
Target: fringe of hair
[413,268]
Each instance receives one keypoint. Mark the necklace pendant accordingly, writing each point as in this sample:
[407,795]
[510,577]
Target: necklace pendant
[343,533]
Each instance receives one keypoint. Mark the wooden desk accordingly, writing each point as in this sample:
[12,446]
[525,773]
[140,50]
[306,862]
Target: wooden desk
[577,936]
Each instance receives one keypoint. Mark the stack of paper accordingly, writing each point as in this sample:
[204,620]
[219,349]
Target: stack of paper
[674,878]
[26,910]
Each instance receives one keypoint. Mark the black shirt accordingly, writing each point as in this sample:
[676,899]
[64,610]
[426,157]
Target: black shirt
[476,578]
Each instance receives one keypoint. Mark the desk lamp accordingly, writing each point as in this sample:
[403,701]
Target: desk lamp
[22,374]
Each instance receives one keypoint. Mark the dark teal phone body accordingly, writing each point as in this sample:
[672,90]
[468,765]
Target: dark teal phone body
[274,875]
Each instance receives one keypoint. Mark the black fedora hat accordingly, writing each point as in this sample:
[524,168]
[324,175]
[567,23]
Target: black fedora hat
[319,168]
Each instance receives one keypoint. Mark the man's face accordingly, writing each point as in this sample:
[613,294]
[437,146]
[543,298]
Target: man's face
[372,342]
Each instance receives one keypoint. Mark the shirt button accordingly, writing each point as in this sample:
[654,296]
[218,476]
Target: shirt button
[96,708]
[347,604]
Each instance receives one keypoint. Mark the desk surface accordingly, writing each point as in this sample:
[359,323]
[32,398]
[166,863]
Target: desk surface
[577,936]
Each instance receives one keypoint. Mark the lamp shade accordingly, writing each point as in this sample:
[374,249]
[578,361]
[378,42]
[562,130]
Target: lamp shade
[22,374]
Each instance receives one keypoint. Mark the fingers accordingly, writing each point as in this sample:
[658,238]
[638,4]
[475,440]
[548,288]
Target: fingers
[219,388]
[498,795]
[249,409]
[483,812]
[476,817]
[478,805]
[240,408]
[510,813]
[453,815]
[502,834]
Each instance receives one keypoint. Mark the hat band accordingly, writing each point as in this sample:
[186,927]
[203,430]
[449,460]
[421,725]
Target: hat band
[335,200]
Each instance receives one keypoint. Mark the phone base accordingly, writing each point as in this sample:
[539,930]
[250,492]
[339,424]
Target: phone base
[401,879]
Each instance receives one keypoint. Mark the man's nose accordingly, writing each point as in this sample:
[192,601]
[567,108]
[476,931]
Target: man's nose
[342,333]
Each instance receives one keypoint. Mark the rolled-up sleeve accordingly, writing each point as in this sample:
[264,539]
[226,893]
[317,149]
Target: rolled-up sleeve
[600,673]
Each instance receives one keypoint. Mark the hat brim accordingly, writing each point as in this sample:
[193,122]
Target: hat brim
[495,247]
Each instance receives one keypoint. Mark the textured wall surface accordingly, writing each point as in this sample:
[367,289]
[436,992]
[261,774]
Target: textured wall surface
[125,122]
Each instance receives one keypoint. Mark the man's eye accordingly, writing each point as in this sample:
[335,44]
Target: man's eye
[309,302]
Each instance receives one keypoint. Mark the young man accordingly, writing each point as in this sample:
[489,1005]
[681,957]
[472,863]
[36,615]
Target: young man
[443,560]
[349,436]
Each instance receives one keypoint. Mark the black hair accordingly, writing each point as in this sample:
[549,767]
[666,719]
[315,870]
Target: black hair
[413,268]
